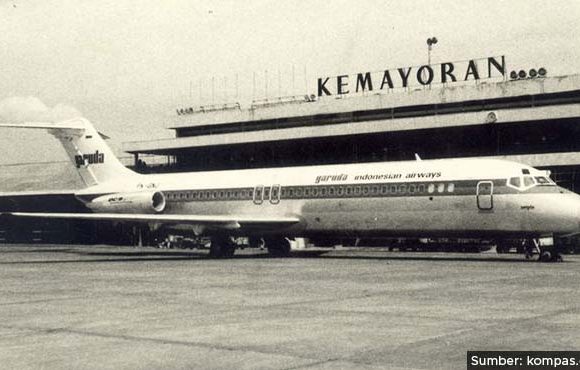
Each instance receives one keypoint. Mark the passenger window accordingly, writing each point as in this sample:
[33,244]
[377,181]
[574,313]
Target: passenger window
[393,189]
[266,193]
[440,188]
[236,194]
[221,194]
[411,189]
[357,190]
[330,191]
[402,188]
[306,192]
[365,190]
[375,190]
[421,188]
[349,190]
[298,192]
[450,188]
[384,189]
[339,191]
[431,188]
[314,192]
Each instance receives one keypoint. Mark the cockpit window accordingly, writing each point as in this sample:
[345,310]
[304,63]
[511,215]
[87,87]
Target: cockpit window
[515,182]
[522,182]
[542,180]
[528,181]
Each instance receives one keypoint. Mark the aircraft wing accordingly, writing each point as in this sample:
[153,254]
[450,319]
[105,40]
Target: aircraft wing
[35,193]
[230,222]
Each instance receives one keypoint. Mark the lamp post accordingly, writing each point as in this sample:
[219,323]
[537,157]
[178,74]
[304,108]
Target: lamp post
[430,42]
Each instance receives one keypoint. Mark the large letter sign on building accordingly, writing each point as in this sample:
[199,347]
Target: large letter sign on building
[471,70]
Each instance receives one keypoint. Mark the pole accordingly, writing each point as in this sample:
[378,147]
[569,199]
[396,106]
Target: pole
[213,90]
[266,84]
[254,87]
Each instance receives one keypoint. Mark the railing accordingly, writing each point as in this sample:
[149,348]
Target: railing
[260,103]
[208,108]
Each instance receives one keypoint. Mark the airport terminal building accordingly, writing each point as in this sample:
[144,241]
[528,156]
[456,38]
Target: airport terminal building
[527,117]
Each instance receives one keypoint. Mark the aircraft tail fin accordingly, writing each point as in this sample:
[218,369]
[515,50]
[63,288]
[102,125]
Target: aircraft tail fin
[94,160]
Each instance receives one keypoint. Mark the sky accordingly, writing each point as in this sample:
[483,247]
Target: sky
[127,64]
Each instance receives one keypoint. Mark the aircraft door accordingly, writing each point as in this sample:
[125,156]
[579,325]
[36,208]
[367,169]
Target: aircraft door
[258,194]
[275,194]
[485,195]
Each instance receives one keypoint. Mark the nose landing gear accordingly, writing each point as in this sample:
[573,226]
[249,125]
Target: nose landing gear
[547,251]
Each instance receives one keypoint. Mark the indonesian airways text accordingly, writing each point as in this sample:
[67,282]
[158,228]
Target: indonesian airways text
[370,177]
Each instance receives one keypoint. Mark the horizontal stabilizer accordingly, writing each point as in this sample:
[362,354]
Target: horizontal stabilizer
[67,125]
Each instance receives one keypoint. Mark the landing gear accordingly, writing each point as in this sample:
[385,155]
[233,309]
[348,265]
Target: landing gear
[278,247]
[549,250]
[502,247]
[545,256]
[255,242]
[222,247]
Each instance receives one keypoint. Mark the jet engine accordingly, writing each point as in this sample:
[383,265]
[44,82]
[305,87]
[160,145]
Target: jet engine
[141,202]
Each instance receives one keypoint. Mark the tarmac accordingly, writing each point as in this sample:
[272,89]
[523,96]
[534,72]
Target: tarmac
[102,307]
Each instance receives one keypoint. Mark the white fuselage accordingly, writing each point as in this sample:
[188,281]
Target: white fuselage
[478,197]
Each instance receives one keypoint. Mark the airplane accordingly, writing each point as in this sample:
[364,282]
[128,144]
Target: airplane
[469,197]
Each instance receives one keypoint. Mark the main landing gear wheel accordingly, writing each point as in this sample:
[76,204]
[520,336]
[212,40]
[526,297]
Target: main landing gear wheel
[254,242]
[278,247]
[548,255]
[222,247]
[545,256]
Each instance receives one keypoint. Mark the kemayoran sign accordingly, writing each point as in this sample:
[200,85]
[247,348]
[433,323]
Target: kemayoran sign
[448,72]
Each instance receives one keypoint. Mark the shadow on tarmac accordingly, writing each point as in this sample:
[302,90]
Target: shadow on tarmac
[474,258]
[197,255]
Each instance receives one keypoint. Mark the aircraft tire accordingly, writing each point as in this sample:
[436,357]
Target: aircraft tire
[221,247]
[546,256]
[254,242]
[278,247]
[229,251]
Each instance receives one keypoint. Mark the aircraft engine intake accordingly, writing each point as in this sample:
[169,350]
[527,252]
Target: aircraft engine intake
[141,202]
